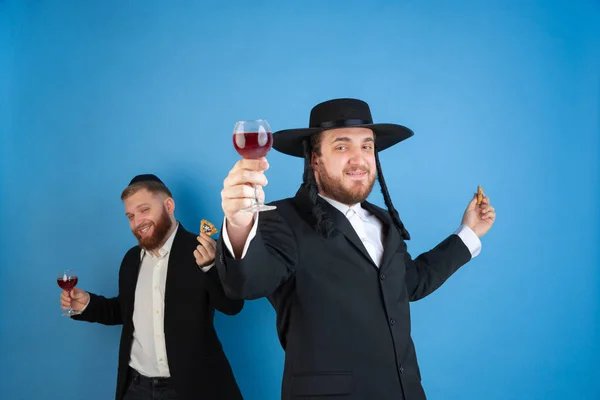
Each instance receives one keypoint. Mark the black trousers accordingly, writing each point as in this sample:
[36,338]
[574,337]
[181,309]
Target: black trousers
[141,387]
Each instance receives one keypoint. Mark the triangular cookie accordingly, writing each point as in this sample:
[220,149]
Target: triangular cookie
[208,228]
[479,194]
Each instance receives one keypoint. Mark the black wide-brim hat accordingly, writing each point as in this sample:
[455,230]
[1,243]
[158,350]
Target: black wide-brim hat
[339,113]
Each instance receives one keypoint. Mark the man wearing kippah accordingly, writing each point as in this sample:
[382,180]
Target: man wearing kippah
[334,266]
[168,291]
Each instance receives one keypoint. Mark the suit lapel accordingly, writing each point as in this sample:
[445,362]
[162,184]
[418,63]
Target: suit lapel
[340,221]
[173,272]
[345,227]
[133,270]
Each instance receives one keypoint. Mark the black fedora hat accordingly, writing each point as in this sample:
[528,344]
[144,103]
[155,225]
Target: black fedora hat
[339,113]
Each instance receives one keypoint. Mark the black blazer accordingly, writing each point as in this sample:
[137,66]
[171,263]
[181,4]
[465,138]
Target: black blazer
[198,366]
[344,323]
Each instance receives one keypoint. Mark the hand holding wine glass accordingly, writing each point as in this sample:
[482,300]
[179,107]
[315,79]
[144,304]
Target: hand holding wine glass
[71,299]
[242,189]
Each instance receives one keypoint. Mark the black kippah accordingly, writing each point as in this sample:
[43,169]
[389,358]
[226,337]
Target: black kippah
[145,177]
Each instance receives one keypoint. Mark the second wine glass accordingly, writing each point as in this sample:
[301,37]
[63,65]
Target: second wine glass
[67,280]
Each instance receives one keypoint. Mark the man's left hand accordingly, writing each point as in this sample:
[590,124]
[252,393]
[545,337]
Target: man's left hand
[479,217]
[205,251]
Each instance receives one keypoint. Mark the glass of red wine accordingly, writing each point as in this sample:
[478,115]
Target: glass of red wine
[67,280]
[252,139]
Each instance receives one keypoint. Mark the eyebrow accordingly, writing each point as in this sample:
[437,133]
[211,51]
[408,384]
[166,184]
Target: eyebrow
[141,205]
[347,139]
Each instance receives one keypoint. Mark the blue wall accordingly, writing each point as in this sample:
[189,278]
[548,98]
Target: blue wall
[505,95]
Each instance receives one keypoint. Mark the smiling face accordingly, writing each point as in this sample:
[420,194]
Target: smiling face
[150,217]
[344,164]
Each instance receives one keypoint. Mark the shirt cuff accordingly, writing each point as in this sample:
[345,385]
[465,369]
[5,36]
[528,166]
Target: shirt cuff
[470,239]
[248,240]
[88,303]
[207,268]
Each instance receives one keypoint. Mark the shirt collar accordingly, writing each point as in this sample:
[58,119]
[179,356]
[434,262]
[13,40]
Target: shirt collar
[166,248]
[346,209]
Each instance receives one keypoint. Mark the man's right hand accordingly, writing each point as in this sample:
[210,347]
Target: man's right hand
[237,194]
[238,191]
[76,298]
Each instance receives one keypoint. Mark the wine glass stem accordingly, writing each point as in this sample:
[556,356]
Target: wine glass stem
[255,195]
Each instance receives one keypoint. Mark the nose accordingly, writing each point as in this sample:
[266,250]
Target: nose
[356,157]
[137,221]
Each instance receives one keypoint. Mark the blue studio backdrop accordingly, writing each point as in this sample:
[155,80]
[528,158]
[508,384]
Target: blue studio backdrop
[505,94]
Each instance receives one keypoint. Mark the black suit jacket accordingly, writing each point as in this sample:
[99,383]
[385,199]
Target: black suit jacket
[198,366]
[344,323]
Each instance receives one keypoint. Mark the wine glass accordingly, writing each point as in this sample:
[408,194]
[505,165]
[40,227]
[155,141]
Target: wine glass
[252,139]
[67,280]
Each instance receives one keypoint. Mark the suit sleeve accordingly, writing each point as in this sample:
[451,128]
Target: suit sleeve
[217,297]
[269,259]
[430,270]
[106,311]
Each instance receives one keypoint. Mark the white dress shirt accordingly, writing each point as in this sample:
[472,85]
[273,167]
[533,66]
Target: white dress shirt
[368,228]
[148,350]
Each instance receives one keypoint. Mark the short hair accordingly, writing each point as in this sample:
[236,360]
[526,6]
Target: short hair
[151,186]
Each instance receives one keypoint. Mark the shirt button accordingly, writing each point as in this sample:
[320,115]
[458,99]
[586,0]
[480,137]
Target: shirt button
[382,276]
[401,369]
[155,287]
[156,311]
[392,321]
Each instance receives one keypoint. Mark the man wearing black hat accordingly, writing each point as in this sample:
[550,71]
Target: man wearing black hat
[168,292]
[334,266]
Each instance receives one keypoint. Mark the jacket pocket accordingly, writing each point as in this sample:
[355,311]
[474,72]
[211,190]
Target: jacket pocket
[322,384]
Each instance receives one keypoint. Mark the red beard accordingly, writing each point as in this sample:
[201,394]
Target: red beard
[161,228]
[333,188]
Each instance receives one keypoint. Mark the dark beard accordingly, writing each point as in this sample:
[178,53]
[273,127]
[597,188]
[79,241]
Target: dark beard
[332,187]
[161,228]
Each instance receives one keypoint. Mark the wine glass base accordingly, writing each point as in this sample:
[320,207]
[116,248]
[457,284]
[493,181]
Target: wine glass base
[70,313]
[258,208]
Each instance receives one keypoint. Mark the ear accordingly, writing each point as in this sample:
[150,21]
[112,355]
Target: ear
[170,205]
[314,160]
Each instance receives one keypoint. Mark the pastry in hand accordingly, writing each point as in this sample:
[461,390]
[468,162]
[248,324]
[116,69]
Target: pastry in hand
[479,194]
[207,228]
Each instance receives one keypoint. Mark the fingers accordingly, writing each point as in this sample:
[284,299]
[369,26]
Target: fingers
[473,201]
[260,164]
[65,300]
[201,255]
[487,212]
[232,206]
[237,192]
[206,249]
[245,177]
[205,241]
[247,171]
[486,209]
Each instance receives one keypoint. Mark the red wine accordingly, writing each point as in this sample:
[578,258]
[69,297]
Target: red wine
[252,144]
[67,284]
